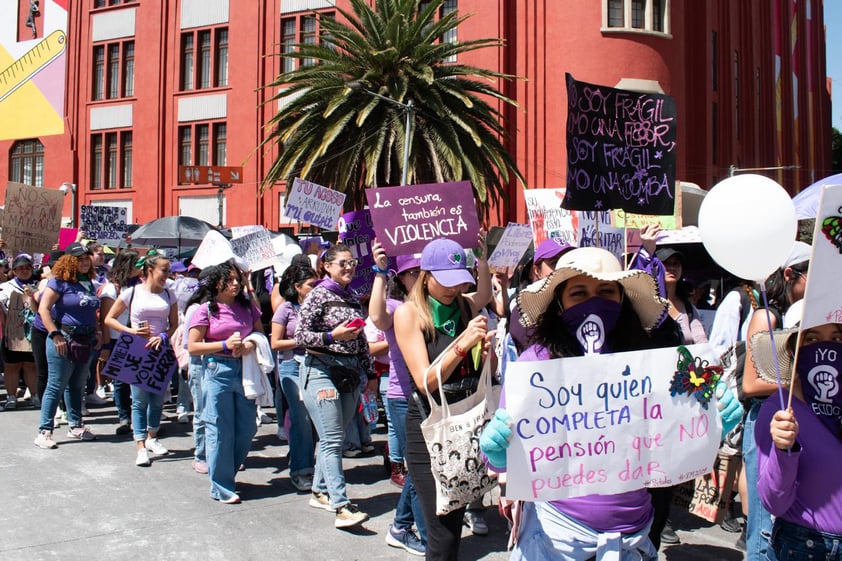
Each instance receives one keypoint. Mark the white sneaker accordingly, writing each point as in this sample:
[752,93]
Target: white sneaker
[155,446]
[184,417]
[60,418]
[101,393]
[142,459]
[264,417]
[45,440]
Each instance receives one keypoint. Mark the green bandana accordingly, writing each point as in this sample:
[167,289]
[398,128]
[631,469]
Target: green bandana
[445,317]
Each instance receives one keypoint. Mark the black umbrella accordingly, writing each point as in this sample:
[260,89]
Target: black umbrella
[172,231]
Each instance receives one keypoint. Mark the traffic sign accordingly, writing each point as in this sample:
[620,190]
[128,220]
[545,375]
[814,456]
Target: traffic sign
[210,174]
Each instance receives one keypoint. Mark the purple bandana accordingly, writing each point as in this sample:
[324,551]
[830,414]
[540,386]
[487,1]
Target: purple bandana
[591,321]
[818,371]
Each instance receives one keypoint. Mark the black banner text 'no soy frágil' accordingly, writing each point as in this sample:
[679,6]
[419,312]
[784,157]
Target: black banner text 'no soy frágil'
[620,150]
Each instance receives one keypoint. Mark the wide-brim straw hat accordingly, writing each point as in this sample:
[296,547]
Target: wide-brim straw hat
[639,287]
[761,347]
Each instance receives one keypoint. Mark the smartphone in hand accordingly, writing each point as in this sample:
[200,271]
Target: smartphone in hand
[356,323]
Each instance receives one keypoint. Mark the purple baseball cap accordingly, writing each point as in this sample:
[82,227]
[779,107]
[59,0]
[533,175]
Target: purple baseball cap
[550,249]
[407,262]
[447,262]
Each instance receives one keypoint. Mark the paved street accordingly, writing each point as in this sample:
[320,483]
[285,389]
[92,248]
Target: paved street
[87,500]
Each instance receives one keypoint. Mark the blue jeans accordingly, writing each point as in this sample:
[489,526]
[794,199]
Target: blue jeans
[409,507]
[395,449]
[194,379]
[185,394]
[122,399]
[63,376]
[229,422]
[791,542]
[146,412]
[758,520]
[331,411]
[302,447]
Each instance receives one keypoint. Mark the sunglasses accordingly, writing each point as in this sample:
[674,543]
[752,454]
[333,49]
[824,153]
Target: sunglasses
[346,263]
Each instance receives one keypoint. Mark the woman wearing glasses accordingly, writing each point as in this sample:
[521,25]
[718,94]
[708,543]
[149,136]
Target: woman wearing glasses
[330,329]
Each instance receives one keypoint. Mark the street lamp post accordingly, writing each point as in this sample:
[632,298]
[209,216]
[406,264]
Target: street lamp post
[70,187]
[409,112]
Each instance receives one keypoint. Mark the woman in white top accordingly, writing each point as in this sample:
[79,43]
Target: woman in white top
[153,313]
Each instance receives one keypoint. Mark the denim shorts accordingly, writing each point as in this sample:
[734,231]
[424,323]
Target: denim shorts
[791,542]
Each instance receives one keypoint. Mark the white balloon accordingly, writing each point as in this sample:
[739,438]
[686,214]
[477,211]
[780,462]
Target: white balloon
[748,225]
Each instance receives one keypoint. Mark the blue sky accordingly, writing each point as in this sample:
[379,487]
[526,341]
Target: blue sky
[833,32]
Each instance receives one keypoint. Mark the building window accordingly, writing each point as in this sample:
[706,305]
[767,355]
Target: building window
[203,144]
[204,58]
[106,3]
[26,163]
[301,30]
[111,160]
[449,6]
[113,72]
[647,16]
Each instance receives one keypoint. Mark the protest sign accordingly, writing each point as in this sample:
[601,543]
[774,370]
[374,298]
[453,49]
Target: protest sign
[106,224]
[406,218]
[821,296]
[240,231]
[594,229]
[510,248]
[312,203]
[131,362]
[15,340]
[32,218]
[67,236]
[621,148]
[357,232]
[213,250]
[255,249]
[548,219]
[605,424]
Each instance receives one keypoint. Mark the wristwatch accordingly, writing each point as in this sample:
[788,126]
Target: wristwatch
[54,333]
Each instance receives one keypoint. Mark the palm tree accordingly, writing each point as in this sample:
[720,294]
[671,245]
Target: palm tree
[331,130]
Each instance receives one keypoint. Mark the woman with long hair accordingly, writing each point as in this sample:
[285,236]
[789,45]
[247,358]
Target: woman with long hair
[68,310]
[296,283]
[153,314]
[16,294]
[218,330]
[330,328]
[123,275]
[439,311]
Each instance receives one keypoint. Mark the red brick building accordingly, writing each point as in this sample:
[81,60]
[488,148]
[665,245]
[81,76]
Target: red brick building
[151,85]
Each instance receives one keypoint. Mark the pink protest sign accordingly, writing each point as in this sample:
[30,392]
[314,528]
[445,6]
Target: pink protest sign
[407,218]
[67,236]
[131,362]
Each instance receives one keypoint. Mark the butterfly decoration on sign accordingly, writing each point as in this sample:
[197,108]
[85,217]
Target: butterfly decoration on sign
[832,230]
[695,377]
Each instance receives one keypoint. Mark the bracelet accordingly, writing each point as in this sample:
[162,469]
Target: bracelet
[329,337]
[460,352]
[378,271]
[224,347]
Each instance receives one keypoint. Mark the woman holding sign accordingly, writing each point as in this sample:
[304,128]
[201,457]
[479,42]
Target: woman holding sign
[153,315]
[589,304]
[16,295]
[217,332]
[800,448]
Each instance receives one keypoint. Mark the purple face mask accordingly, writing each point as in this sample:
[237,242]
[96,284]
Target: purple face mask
[818,372]
[591,321]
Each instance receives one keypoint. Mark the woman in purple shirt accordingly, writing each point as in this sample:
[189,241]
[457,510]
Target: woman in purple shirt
[800,448]
[587,305]
[217,332]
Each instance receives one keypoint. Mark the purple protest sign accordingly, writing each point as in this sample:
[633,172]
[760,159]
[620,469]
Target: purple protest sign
[406,218]
[356,231]
[131,362]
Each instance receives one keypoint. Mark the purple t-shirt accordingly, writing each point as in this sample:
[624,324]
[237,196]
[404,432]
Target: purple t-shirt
[229,319]
[287,315]
[803,487]
[76,305]
[627,512]
[399,385]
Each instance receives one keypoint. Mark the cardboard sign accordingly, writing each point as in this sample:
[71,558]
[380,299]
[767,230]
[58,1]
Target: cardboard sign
[621,148]
[255,249]
[407,218]
[32,218]
[595,230]
[15,340]
[510,248]
[605,424]
[106,224]
[131,362]
[357,232]
[213,250]
[312,203]
[709,495]
[822,303]
[548,219]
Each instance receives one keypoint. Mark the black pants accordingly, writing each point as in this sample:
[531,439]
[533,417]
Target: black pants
[661,499]
[39,353]
[443,532]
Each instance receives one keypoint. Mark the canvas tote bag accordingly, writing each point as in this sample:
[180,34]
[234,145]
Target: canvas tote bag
[452,433]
